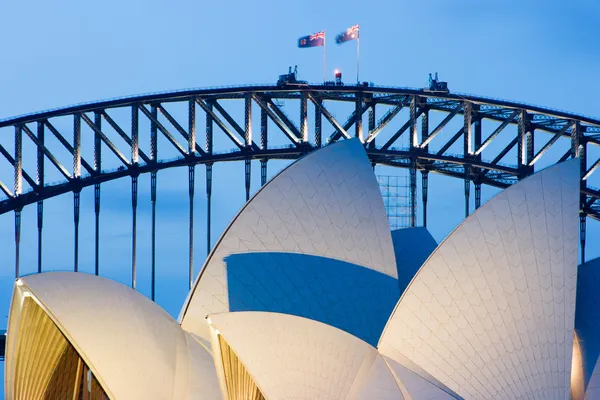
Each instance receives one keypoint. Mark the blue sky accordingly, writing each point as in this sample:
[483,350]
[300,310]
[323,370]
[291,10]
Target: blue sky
[66,51]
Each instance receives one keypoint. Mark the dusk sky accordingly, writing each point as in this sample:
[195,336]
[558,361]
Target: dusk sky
[65,51]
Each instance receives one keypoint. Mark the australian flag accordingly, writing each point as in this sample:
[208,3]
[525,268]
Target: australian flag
[350,34]
[314,40]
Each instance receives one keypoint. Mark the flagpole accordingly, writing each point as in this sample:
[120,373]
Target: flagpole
[324,59]
[357,56]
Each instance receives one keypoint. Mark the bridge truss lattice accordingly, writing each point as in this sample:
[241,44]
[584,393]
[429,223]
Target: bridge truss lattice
[479,140]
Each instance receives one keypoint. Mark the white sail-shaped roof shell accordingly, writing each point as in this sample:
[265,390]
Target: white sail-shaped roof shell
[491,312]
[135,349]
[326,209]
[416,384]
[586,364]
[290,357]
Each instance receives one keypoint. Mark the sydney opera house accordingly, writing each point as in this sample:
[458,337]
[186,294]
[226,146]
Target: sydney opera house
[308,295]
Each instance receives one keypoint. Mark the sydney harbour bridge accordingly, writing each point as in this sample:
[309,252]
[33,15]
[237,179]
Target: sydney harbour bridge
[481,141]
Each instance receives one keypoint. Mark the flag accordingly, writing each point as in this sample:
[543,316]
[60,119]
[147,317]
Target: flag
[314,40]
[350,34]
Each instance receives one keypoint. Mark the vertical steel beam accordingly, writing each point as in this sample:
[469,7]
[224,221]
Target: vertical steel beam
[358,125]
[424,188]
[247,173]
[208,204]
[579,149]
[134,191]
[413,193]
[263,145]
[477,139]
[40,181]
[76,206]
[371,128]
[134,196]
[135,146]
[153,177]
[303,118]
[191,178]
[192,127]
[425,128]
[18,191]
[209,151]
[153,235]
[425,173]
[263,172]
[468,131]
[153,133]
[77,192]
[248,137]
[76,145]
[191,181]
[467,190]
[413,165]
[248,120]
[414,141]
[18,160]
[582,233]
[575,139]
[17,240]
[97,168]
[529,147]
[97,229]
[318,123]
[372,124]
[521,145]
[467,150]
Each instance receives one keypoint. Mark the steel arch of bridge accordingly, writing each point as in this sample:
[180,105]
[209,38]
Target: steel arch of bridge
[476,164]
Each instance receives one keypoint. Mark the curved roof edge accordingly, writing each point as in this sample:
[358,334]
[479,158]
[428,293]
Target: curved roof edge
[289,356]
[585,375]
[108,324]
[563,179]
[327,204]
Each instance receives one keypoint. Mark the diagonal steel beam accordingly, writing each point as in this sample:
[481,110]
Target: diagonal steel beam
[123,135]
[284,118]
[549,144]
[400,131]
[280,124]
[590,201]
[164,130]
[450,142]
[220,123]
[396,135]
[505,151]
[67,145]
[329,117]
[501,155]
[593,168]
[106,140]
[441,126]
[496,132]
[352,118]
[565,156]
[231,121]
[6,190]
[227,117]
[12,162]
[386,120]
[48,154]
[179,128]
